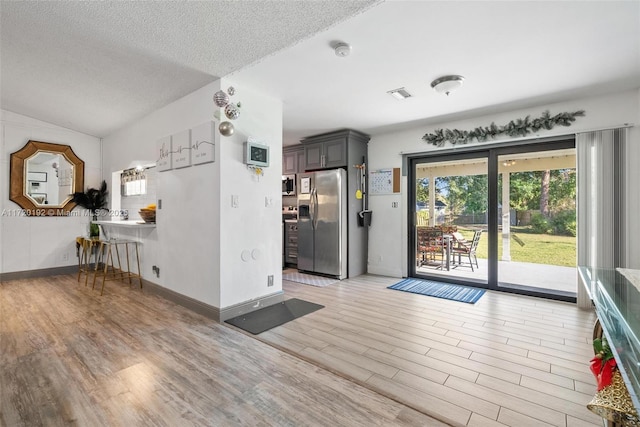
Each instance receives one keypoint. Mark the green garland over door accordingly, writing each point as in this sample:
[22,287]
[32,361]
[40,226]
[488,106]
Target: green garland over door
[515,128]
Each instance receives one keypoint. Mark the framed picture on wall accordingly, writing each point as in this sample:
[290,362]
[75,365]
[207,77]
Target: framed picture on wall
[163,154]
[181,149]
[37,176]
[203,145]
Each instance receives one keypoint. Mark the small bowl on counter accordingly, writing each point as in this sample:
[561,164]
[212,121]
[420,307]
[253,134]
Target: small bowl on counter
[148,215]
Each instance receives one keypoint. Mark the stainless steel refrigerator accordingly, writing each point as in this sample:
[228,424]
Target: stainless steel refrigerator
[322,222]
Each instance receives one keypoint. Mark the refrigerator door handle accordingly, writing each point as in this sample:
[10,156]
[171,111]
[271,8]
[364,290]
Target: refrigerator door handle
[315,208]
[315,216]
[312,208]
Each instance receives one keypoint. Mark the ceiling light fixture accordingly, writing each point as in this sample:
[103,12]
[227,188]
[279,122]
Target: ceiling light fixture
[342,49]
[400,93]
[447,84]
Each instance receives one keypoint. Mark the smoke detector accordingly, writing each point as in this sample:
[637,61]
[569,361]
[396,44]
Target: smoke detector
[342,49]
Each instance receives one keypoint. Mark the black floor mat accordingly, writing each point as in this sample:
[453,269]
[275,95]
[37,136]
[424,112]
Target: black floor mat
[275,315]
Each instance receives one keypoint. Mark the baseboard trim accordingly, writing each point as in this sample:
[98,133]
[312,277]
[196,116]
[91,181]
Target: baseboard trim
[192,304]
[252,305]
[43,272]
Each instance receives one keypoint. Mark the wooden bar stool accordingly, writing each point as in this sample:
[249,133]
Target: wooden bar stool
[106,251]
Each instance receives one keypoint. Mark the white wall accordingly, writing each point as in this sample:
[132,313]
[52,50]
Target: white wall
[182,245]
[388,233]
[199,238]
[253,227]
[31,243]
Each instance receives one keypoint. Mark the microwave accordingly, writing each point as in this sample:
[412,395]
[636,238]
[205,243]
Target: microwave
[288,185]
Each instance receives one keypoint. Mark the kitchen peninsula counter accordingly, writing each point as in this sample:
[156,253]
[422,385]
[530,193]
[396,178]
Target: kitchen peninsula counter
[144,235]
[126,229]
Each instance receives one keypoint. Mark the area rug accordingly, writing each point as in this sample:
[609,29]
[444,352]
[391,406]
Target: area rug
[440,290]
[308,279]
[274,315]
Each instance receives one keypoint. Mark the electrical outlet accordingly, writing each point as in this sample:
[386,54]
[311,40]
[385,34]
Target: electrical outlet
[270,280]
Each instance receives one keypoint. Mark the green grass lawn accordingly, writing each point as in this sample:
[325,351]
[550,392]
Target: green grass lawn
[538,248]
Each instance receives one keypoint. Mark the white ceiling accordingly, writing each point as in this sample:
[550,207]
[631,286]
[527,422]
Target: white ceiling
[95,66]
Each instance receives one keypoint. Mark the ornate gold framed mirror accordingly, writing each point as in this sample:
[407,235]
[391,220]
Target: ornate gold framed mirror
[44,177]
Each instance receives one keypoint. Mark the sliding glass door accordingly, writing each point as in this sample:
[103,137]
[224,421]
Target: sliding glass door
[537,233]
[507,218]
[451,195]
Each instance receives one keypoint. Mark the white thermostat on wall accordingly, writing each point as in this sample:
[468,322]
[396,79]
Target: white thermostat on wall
[256,154]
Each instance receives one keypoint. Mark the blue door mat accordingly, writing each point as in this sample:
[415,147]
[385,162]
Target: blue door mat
[448,291]
[274,315]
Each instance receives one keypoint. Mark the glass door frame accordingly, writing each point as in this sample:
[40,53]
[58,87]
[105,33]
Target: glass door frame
[491,153]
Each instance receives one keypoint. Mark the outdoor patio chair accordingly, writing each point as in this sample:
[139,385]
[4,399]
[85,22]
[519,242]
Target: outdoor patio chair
[459,238]
[430,246]
[468,249]
[449,229]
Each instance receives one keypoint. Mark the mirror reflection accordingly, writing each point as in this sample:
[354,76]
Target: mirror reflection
[44,177]
[49,179]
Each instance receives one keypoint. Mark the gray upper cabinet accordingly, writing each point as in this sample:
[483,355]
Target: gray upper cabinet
[293,160]
[327,151]
[326,155]
[302,165]
[289,162]
[313,155]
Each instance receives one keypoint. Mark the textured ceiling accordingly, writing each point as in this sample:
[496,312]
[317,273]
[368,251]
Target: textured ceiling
[95,66]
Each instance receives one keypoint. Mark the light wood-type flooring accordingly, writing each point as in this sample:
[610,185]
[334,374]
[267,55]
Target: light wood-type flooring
[506,360]
[71,357]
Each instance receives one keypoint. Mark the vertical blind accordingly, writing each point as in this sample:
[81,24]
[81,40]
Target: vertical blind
[601,201]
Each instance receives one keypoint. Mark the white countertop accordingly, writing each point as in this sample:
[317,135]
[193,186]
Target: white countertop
[127,223]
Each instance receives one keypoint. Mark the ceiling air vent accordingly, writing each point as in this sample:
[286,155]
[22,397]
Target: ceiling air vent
[400,93]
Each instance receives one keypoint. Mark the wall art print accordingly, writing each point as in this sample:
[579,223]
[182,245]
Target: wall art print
[203,145]
[163,154]
[181,149]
